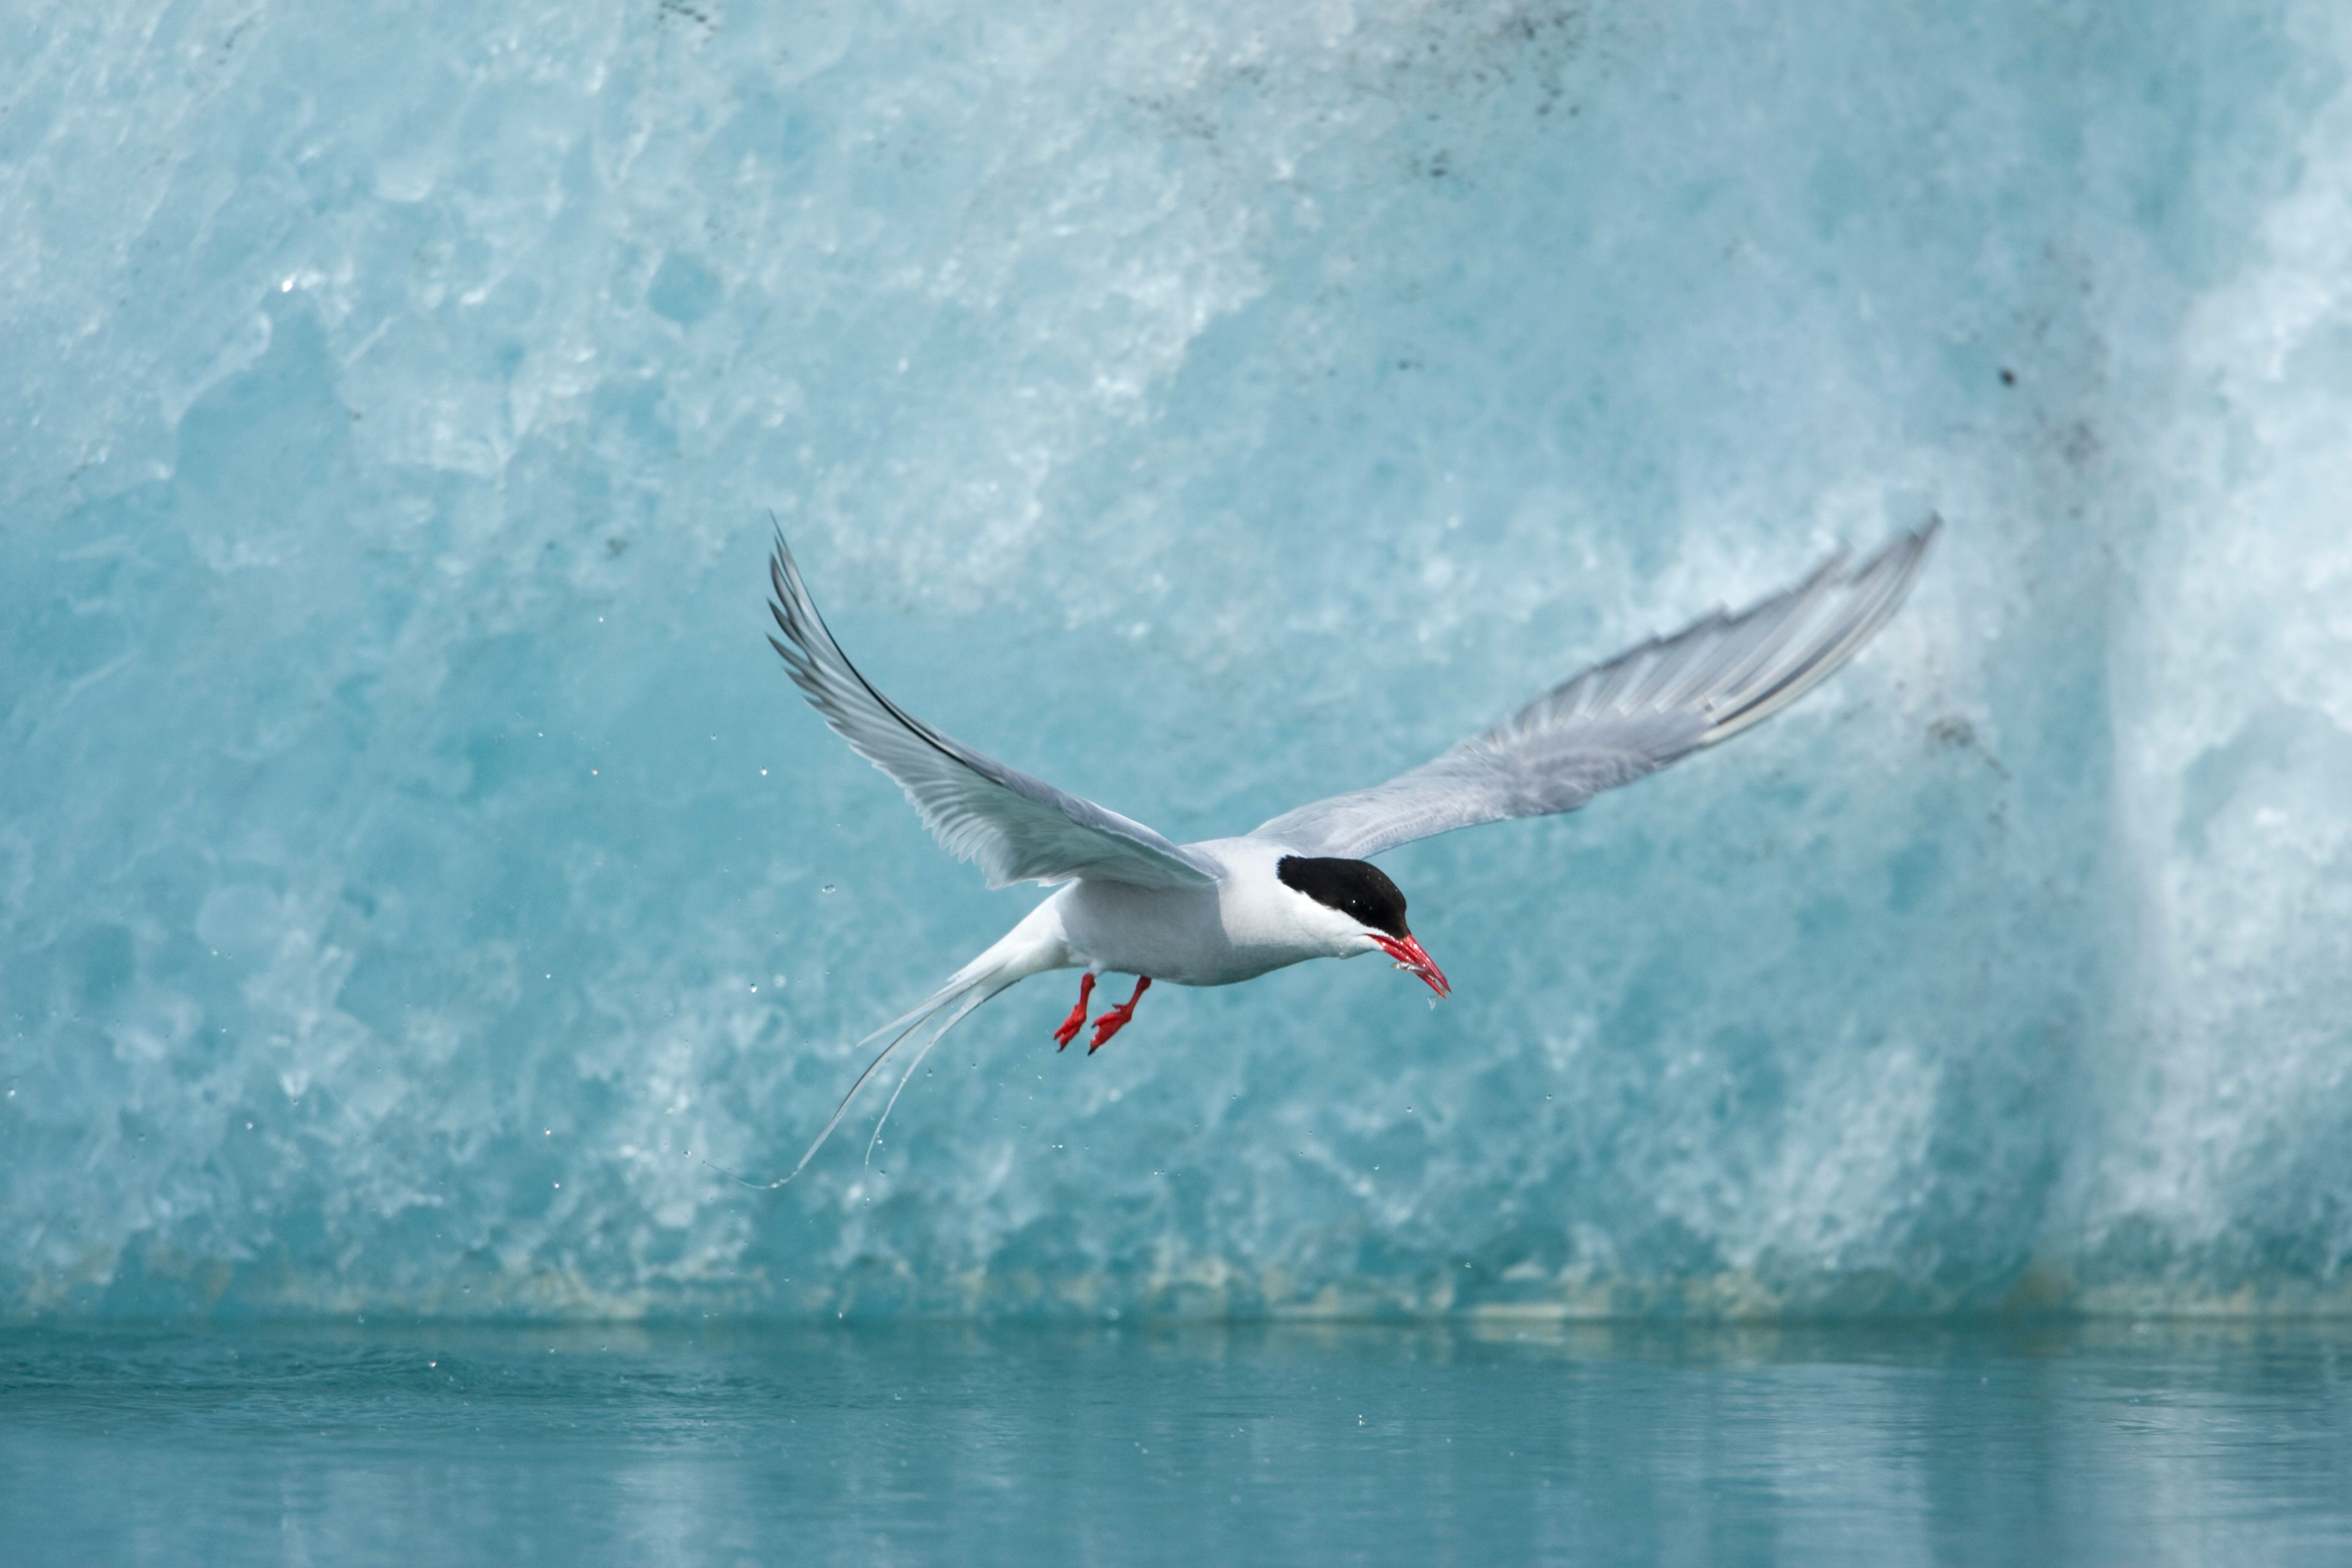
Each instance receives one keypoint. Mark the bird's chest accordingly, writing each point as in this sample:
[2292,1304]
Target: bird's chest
[1189,937]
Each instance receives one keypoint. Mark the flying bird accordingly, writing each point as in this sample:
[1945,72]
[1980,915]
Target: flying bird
[1301,885]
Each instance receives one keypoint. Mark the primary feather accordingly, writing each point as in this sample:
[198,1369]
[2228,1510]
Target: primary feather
[1624,719]
[1018,829]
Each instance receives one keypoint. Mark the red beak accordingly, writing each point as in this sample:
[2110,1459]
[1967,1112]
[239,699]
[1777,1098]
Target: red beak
[1409,955]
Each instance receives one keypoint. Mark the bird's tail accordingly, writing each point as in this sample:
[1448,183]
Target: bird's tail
[1032,947]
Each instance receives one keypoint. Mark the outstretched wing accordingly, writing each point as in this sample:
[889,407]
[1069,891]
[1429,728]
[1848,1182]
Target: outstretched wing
[1620,720]
[1016,828]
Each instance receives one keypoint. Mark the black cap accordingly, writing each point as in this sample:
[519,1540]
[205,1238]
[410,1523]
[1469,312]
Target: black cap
[1357,888]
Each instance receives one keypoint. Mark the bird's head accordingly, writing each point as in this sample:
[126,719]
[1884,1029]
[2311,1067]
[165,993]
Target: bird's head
[1354,903]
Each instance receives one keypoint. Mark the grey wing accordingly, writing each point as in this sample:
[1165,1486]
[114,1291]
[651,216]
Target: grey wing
[1630,717]
[1017,828]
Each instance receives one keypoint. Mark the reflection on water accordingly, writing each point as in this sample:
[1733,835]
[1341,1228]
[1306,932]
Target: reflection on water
[1888,1443]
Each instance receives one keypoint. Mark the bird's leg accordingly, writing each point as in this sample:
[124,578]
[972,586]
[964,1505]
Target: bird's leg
[1112,1022]
[1077,1018]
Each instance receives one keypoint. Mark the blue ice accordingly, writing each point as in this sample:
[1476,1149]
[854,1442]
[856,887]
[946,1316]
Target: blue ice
[413,866]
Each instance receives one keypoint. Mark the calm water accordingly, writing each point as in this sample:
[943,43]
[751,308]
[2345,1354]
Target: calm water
[2079,1444]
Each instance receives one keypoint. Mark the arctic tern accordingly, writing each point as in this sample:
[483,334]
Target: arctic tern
[1301,885]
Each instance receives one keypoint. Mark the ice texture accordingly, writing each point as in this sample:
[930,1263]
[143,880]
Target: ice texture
[414,865]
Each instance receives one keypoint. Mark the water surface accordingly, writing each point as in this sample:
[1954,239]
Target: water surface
[940,1442]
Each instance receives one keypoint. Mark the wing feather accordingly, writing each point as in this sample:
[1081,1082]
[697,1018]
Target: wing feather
[1626,718]
[1018,829]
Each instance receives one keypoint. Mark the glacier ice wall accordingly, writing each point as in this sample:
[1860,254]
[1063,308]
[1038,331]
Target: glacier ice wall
[413,866]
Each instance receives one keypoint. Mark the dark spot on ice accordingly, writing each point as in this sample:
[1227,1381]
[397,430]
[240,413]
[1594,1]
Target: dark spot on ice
[1954,733]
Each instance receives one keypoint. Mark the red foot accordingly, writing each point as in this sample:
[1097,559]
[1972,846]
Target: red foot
[1077,1018]
[1112,1022]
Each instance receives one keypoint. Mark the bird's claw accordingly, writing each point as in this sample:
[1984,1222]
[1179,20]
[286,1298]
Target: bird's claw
[1112,1022]
[1077,1018]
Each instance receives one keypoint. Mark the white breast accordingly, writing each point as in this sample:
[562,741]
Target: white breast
[1246,925]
